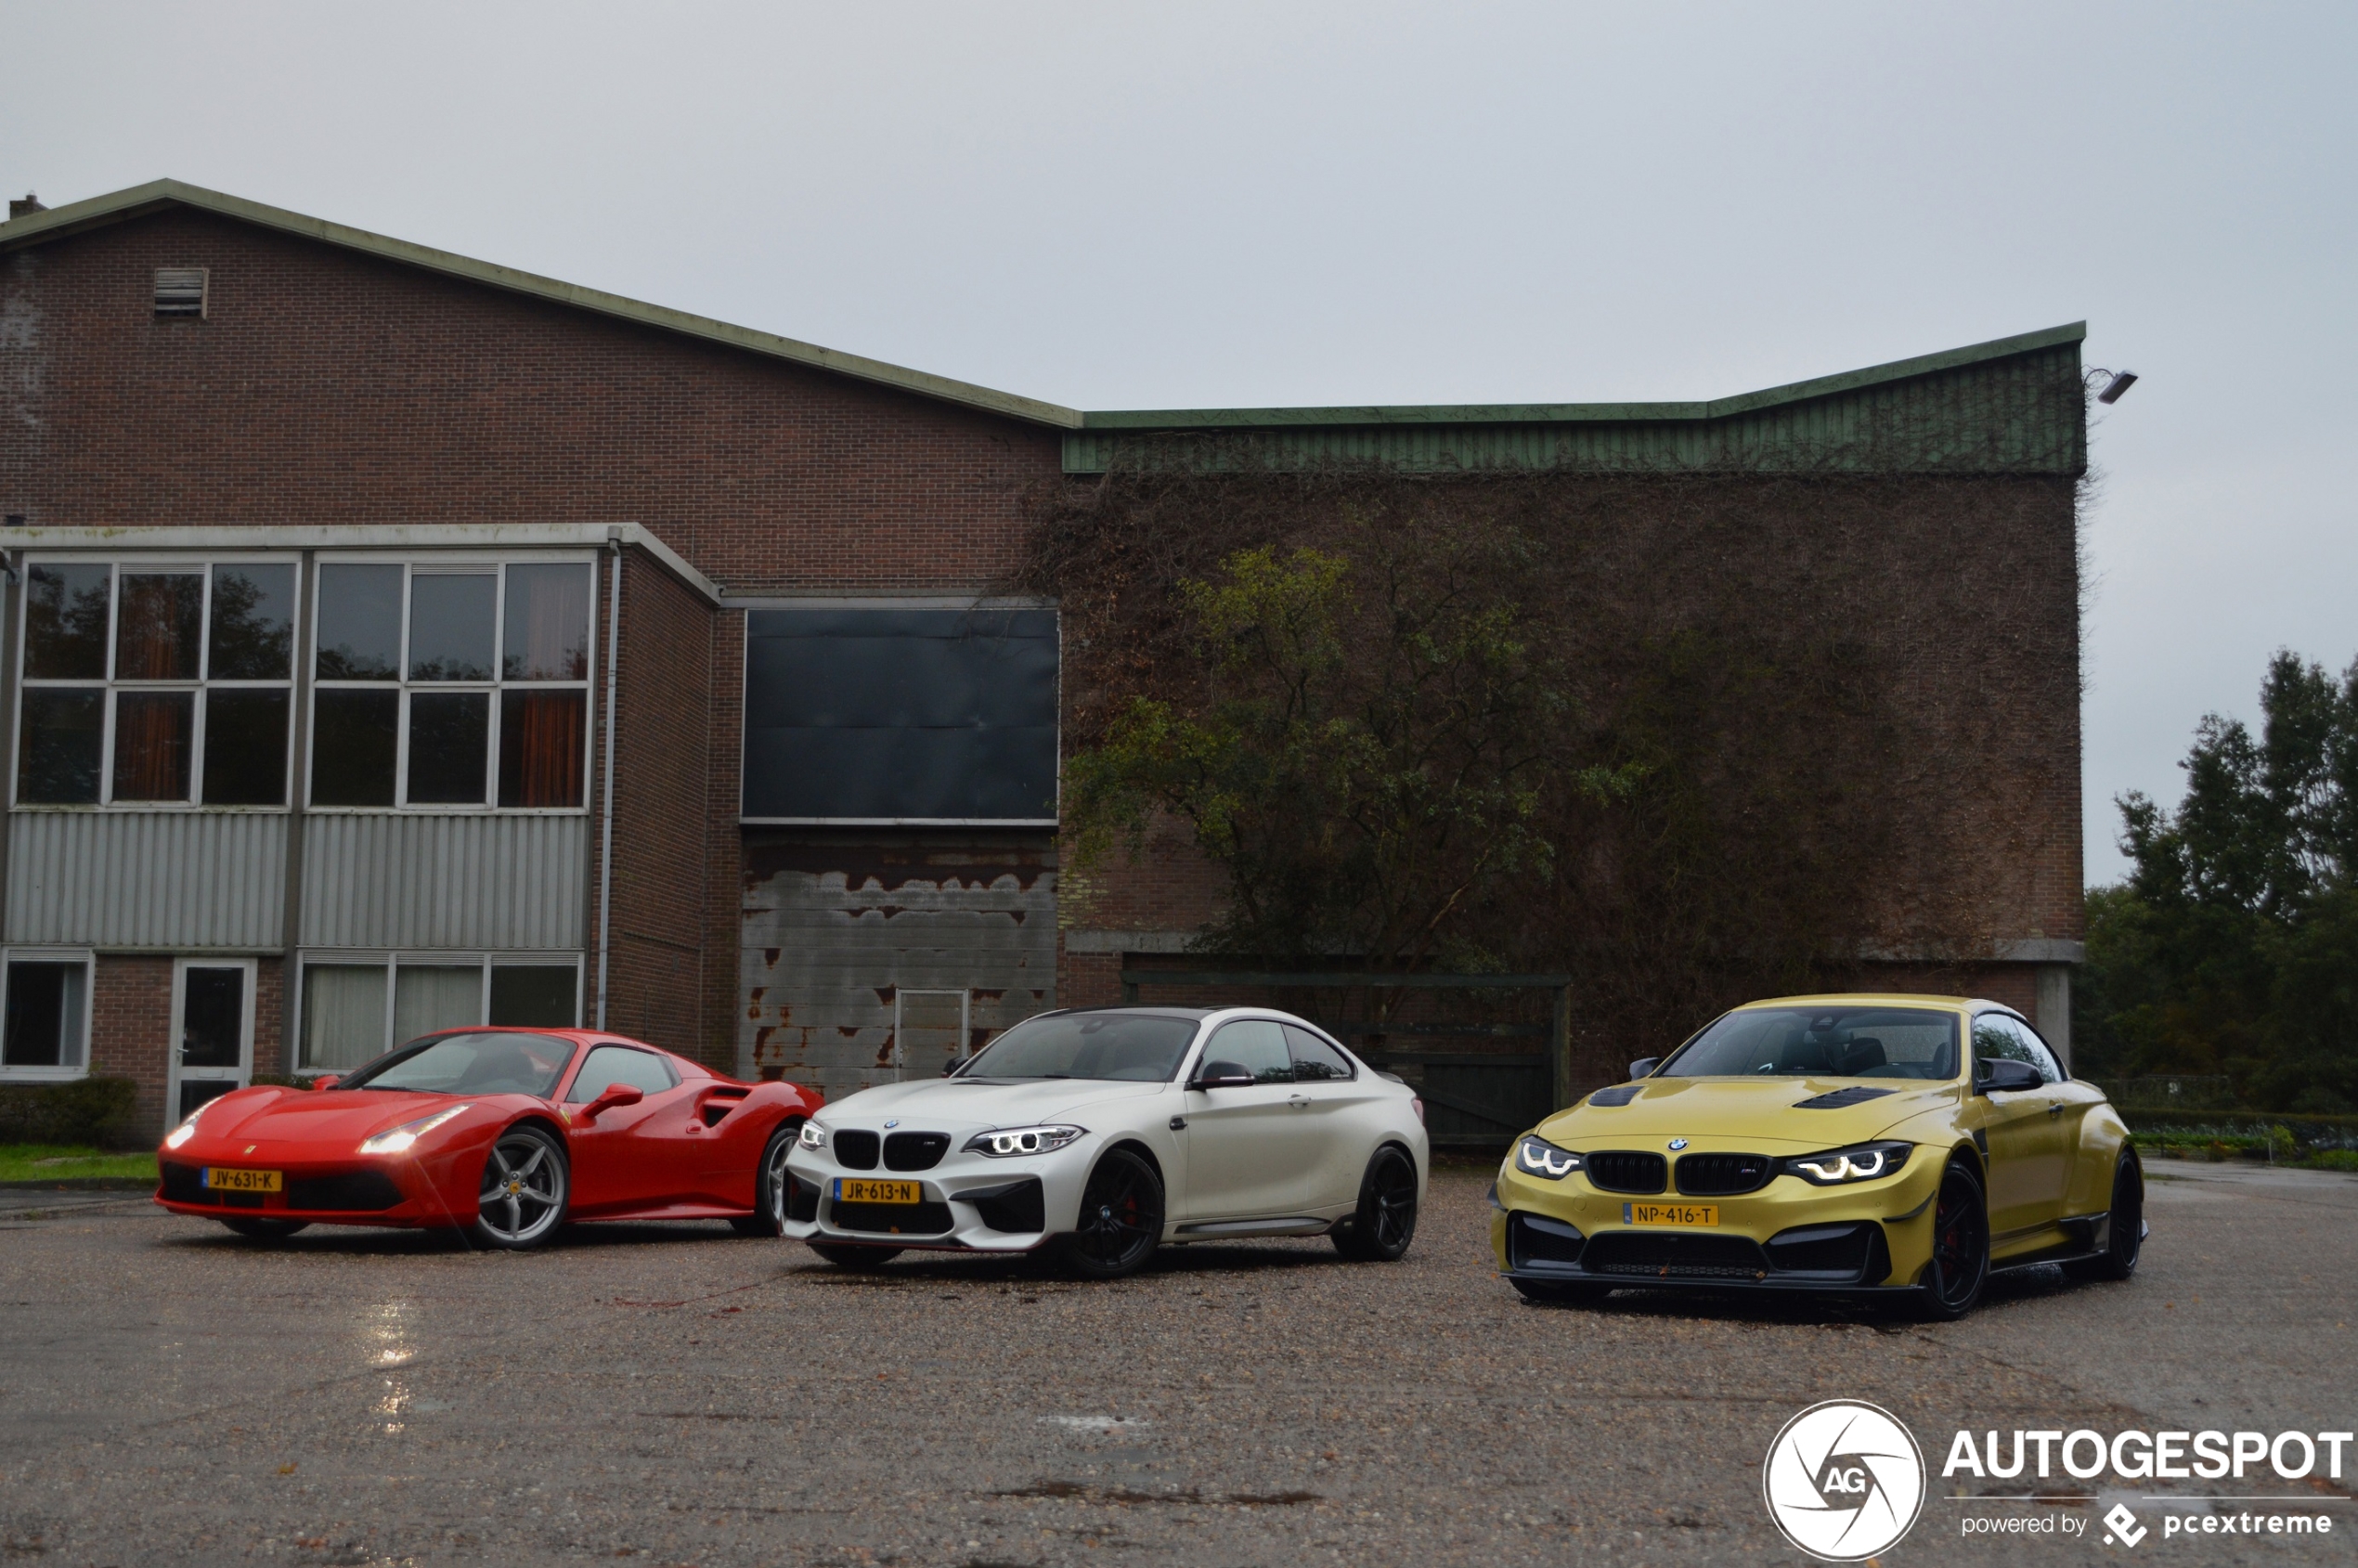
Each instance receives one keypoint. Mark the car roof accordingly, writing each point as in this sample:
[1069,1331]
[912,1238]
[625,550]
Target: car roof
[1873,999]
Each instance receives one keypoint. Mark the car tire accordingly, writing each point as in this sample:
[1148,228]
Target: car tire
[2126,1234]
[1121,1219]
[1380,1230]
[1549,1292]
[1952,1282]
[526,1185]
[769,1216]
[858,1258]
[266,1230]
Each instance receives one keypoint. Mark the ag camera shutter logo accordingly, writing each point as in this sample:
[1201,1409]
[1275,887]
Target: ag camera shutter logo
[1844,1480]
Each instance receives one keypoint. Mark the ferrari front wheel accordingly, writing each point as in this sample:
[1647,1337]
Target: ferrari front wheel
[1960,1266]
[264,1230]
[769,1183]
[525,1183]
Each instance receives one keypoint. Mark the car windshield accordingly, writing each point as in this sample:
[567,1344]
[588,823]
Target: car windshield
[1127,1047]
[469,1063]
[1821,1041]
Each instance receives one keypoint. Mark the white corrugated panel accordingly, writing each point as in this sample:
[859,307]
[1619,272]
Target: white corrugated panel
[163,879]
[443,881]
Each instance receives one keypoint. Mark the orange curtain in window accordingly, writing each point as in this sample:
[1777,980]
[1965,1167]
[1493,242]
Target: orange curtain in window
[541,747]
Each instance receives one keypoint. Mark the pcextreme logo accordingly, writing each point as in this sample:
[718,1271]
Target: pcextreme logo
[1844,1480]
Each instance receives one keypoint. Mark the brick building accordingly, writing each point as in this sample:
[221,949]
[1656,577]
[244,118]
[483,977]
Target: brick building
[395,640]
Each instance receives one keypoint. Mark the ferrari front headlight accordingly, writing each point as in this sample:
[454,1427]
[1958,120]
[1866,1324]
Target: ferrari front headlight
[1861,1162]
[1005,1142]
[1538,1157]
[186,1130]
[393,1140]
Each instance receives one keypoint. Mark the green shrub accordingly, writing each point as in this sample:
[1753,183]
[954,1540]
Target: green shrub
[80,1111]
[2334,1160]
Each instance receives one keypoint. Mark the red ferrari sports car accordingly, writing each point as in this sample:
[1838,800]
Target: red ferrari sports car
[504,1133]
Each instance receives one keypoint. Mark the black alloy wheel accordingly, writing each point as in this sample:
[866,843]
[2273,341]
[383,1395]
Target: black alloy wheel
[1960,1266]
[857,1258]
[1385,1222]
[2125,1239]
[769,1216]
[1121,1219]
[264,1230]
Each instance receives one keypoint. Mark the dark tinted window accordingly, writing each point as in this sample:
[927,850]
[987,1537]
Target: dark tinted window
[1821,1041]
[65,622]
[609,1065]
[548,623]
[1996,1036]
[450,625]
[534,995]
[1256,1045]
[57,756]
[158,626]
[359,622]
[1315,1061]
[245,748]
[212,1008]
[253,623]
[155,732]
[450,738]
[1129,1048]
[354,736]
[470,1064]
[43,1026]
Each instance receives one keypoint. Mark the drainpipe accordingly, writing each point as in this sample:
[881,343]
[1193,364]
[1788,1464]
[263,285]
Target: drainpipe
[605,788]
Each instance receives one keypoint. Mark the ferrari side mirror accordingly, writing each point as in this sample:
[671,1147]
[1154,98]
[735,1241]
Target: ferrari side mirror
[611,1096]
[1222,1075]
[1643,1066]
[2003,1075]
[325,1080]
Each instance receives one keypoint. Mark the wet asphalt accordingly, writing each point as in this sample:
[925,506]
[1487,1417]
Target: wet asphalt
[676,1394]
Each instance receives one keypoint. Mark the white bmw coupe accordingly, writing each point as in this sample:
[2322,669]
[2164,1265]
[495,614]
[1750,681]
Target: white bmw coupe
[1108,1132]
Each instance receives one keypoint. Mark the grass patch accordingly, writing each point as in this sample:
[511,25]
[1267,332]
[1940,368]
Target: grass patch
[33,1164]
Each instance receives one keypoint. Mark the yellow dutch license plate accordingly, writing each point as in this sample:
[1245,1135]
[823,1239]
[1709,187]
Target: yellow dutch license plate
[221,1180]
[1697,1216]
[852,1189]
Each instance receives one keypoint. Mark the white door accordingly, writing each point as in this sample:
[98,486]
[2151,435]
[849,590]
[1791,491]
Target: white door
[1246,1155]
[211,1031]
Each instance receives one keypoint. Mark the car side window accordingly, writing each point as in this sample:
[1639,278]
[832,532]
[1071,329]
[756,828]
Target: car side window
[1994,1034]
[1256,1045]
[609,1065]
[1315,1061]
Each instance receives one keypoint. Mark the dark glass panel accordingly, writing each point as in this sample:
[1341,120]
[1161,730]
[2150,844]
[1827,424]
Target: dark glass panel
[354,738]
[39,1015]
[359,622]
[253,623]
[451,626]
[65,622]
[57,757]
[155,732]
[212,1008]
[548,629]
[245,748]
[159,629]
[540,736]
[450,734]
[533,995]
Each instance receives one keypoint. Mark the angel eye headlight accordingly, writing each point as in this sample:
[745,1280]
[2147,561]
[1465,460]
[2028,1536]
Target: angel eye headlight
[1005,1142]
[1538,1157]
[1861,1162]
[813,1136]
[394,1140]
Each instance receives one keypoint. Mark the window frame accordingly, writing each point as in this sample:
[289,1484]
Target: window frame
[392,959]
[200,564]
[414,563]
[2031,1038]
[36,953]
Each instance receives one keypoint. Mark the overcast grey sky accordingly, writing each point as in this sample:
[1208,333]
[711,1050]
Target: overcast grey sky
[1188,205]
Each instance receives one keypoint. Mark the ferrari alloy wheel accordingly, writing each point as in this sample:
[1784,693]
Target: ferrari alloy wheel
[1960,1266]
[523,1192]
[1121,1218]
[770,1179]
[2125,1236]
[858,1258]
[1385,1222]
[264,1230]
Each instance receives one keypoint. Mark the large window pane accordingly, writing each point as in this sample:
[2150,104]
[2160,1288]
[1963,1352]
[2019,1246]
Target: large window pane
[449,740]
[245,748]
[354,736]
[534,995]
[158,626]
[253,623]
[153,731]
[343,1014]
[451,626]
[360,623]
[45,1015]
[58,755]
[65,622]
[548,634]
[213,1016]
[541,747]
[427,997]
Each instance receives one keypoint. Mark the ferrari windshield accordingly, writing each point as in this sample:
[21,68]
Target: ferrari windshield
[1126,1047]
[1822,1043]
[470,1064]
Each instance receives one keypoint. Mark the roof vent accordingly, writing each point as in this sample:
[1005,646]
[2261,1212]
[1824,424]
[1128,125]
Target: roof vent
[25,208]
[180,290]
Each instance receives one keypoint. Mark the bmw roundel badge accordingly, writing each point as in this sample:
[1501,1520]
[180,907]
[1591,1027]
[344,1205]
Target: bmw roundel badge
[894,1121]
[1675,1143]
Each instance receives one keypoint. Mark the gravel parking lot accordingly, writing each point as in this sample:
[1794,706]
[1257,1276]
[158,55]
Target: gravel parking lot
[675,1395]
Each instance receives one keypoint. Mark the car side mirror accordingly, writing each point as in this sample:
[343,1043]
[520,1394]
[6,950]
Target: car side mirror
[2003,1075]
[1222,1075]
[1644,1066]
[610,1097]
[327,1081]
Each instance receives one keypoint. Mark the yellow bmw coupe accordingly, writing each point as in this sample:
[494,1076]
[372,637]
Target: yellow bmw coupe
[1896,1146]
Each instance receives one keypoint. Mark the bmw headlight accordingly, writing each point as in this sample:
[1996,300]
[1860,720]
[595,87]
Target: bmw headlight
[1538,1157]
[1861,1162]
[813,1136]
[186,1130]
[393,1140]
[1004,1142]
